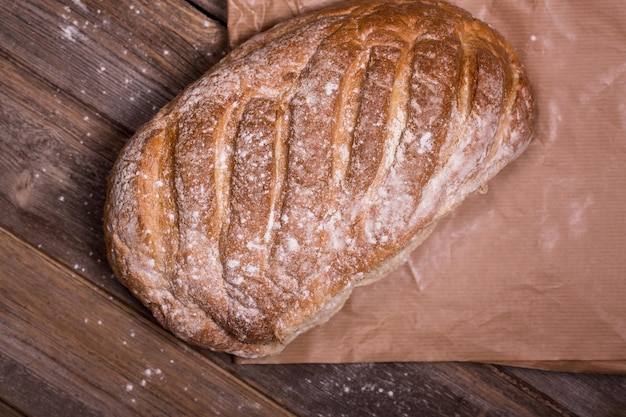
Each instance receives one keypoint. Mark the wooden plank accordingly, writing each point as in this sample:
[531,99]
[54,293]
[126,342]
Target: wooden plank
[57,153]
[8,411]
[586,395]
[125,59]
[401,389]
[67,349]
[213,8]
[60,127]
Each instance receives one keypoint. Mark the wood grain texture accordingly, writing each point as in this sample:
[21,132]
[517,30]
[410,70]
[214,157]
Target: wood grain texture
[401,389]
[586,395]
[99,50]
[100,360]
[58,152]
[212,8]
[79,77]
[58,145]
[7,410]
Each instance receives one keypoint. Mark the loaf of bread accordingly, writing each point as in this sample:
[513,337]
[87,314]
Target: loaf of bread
[311,160]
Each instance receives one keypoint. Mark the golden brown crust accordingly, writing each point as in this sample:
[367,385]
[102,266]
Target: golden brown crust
[309,161]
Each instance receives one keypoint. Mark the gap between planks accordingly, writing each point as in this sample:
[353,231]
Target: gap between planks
[214,9]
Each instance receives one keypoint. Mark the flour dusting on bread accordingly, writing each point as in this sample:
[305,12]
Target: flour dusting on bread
[311,160]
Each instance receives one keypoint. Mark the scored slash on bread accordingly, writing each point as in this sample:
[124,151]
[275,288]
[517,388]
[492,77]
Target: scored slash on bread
[313,159]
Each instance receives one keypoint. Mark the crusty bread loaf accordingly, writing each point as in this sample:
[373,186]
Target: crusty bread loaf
[311,160]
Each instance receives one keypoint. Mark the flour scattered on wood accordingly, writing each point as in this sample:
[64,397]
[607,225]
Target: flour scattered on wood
[72,33]
[80,5]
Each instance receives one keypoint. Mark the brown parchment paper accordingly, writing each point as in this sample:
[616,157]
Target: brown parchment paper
[534,272]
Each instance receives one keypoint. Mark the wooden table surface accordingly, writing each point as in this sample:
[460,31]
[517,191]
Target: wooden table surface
[78,78]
